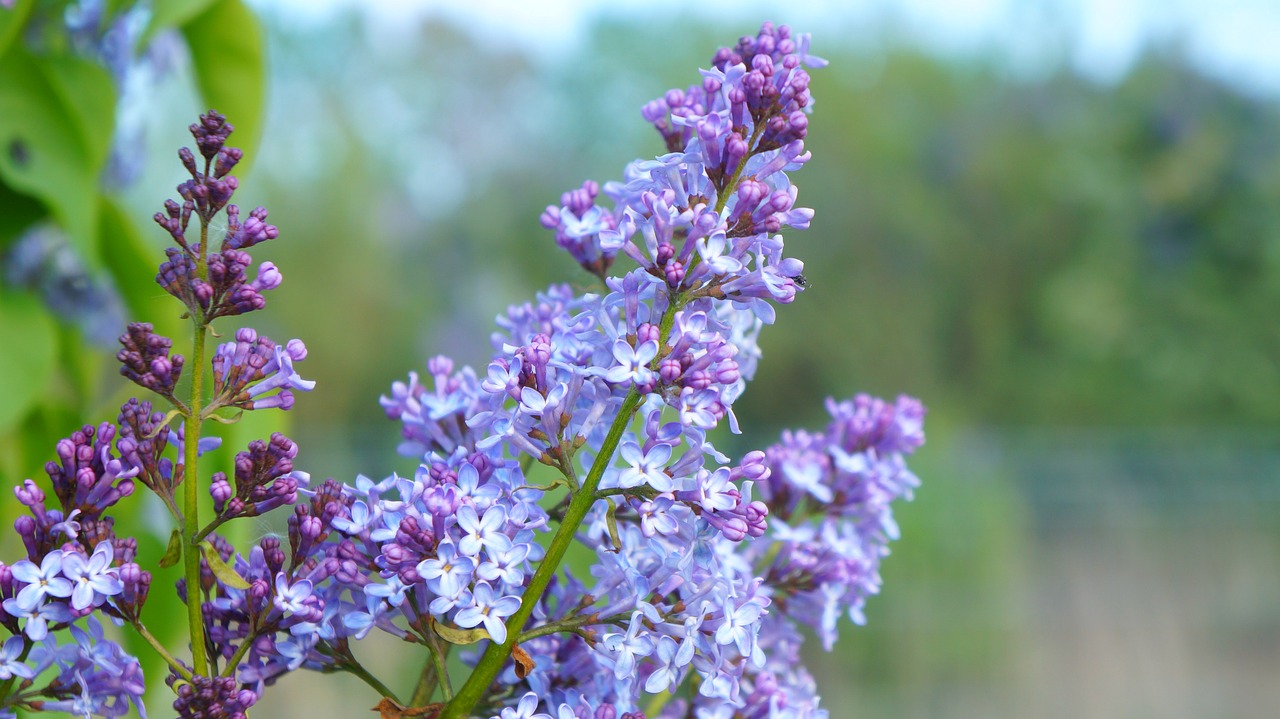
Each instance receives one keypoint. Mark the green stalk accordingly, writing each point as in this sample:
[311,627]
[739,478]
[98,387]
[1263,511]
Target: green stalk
[190,476]
[357,670]
[164,653]
[495,655]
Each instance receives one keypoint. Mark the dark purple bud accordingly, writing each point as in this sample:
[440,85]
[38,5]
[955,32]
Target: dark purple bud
[674,273]
[669,370]
[189,161]
[211,133]
[227,159]
[648,332]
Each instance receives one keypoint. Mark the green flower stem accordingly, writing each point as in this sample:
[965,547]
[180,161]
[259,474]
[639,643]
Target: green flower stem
[567,624]
[442,672]
[495,655]
[355,668]
[190,477]
[209,529]
[234,661]
[164,653]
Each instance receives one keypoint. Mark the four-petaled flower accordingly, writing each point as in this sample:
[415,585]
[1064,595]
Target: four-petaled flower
[628,647]
[449,572]
[290,599]
[45,580]
[646,467]
[38,619]
[489,610]
[482,532]
[632,363]
[524,710]
[94,578]
[10,666]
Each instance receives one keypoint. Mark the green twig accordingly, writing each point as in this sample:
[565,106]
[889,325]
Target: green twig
[234,661]
[164,653]
[353,667]
[190,471]
[495,655]
[563,625]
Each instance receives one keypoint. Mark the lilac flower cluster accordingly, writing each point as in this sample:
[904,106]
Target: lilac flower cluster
[76,567]
[214,284]
[830,494]
[412,557]
[692,578]
[704,566]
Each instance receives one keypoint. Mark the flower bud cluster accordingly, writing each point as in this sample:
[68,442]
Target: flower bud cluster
[248,372]
[283,599]
[701,218]
[143,442]
[145,359]
[834,491]
[75,567]
[211,698]
[214,284]
[264,480]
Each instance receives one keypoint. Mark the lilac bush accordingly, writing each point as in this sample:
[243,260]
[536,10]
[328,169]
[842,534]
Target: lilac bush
[592,425]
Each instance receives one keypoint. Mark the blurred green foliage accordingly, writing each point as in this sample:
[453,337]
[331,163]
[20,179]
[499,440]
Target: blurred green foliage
[1049,252]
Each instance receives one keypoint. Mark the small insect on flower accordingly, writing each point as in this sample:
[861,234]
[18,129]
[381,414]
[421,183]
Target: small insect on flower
[801,280]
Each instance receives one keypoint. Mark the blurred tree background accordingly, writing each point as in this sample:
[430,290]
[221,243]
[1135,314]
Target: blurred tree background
[1077,276]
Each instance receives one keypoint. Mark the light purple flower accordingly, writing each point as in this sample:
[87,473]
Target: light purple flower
[507,565]
[359,520]
[290,599]
[627,648]
[632,363]
[808,477]
[10,667]
[489,610]
[667,674]
[392,590]
[740,625]
[482,532]
[94,579]
[42,581]
[533,403]
[449,572]
[713,250]
[646,467]
[38,619]
[524,710]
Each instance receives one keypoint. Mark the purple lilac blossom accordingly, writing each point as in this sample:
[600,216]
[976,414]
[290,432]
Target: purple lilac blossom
[689,576]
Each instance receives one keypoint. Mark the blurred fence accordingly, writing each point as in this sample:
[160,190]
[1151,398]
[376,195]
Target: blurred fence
[1142,580]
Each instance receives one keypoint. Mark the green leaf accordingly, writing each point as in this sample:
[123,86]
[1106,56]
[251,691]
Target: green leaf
[11,22]
[173,552]
[171,13]
[88,95]
[56,119]
[454,635]
[27,362]
[227,50]
[221,571]
[17,212]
